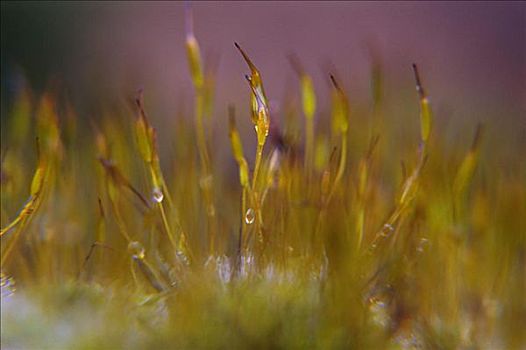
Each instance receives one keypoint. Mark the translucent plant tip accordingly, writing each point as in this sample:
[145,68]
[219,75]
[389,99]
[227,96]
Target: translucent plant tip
[192,50]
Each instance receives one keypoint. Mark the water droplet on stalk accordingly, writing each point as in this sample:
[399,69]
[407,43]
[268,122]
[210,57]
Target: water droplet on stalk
[421,245]
[157,195]
[250,216]
[388,229]
[182,257]
[136,249]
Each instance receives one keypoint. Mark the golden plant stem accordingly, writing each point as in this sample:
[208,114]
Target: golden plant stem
[134,275]
[13,223]
[149,273]
[161,205]
[24,221]
[389,225]
[156,170]
[255,194]
[120,222]
[200,132]
[309,147]
[408,187]
[337,179]
[12,243]
[206,174]
[259,154]
[360,225]
[341,167]
[167,227]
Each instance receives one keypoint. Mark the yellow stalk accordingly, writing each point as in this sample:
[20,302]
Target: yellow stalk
[206,181]
[410,186]
[308,103]
[147,143]
[261,121]
[426,117]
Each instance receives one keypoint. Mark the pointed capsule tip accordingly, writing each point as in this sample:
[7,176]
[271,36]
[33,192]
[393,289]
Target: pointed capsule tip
[139,97]
[334,82]
[419,87]
[296,64]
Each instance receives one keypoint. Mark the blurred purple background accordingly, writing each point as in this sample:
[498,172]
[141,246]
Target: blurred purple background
[472,55]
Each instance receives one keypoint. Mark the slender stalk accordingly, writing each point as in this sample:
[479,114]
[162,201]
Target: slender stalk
[341,167]
[12,243]
[242,239]
[120,222]
[337,179]
[309,155]
[309,145]
[167,227]
[206,175]
[259,154]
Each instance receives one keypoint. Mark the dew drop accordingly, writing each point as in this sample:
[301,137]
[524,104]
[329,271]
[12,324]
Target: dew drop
[182,258]
[250,216]
[387,230]
[136,249]
[421,245]
[157,195]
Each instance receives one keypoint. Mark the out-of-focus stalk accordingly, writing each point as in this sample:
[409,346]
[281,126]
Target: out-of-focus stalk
[206,179]
[308,103]
[49,152]
[410,186]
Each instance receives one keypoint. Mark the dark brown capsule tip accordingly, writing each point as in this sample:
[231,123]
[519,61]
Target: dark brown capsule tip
[296,64]
[101,208]
[334,82]
[231,115]
[419,87]
[231,124]
[231,110]
[245,57]
[139,97]
[37,145]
